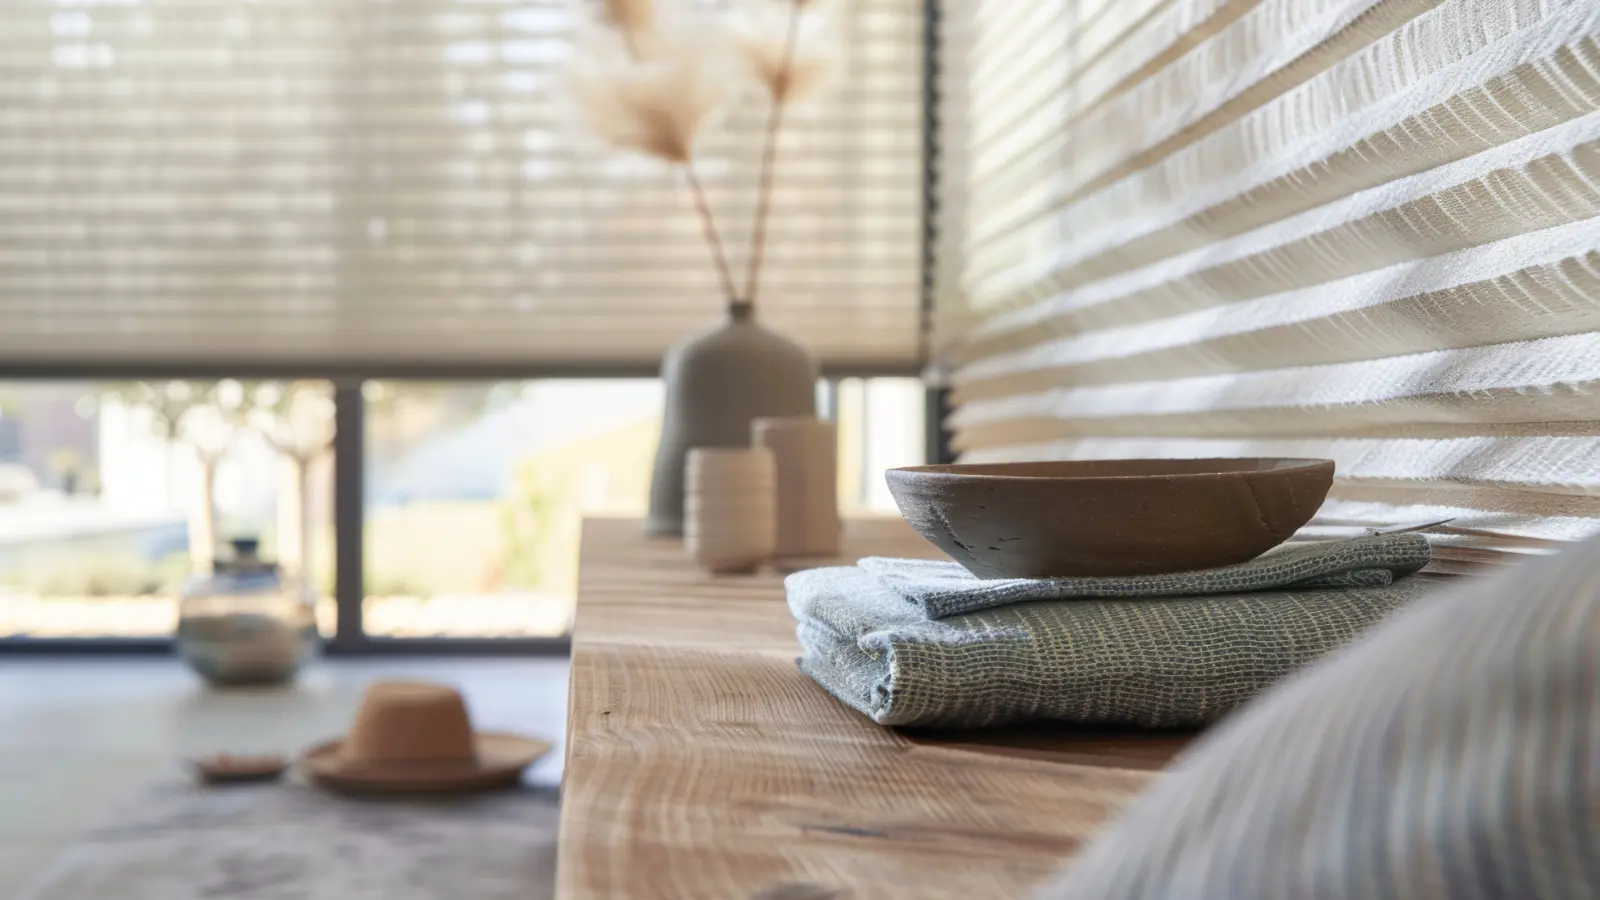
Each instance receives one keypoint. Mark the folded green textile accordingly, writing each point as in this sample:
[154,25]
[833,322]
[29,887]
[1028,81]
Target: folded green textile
[1155,662]
[943,588]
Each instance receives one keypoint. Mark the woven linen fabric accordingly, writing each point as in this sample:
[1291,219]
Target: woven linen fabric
[1451,754]
[1155,662]
[940,588]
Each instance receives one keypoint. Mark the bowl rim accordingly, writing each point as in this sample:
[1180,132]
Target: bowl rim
[943,471]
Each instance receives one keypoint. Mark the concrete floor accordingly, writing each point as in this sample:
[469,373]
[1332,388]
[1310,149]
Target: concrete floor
[79,734]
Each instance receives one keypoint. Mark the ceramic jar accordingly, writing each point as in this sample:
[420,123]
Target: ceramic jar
[717,383]
[730,507]
[244,623]
[805,451]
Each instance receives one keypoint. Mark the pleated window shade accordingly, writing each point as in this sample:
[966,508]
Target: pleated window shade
[1357,229]
[228,183]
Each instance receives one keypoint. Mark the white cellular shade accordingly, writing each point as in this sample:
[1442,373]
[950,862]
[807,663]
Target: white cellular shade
[401,183]
[1367,230]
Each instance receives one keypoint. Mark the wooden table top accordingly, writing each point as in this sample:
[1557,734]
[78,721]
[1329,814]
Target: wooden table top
[702,764]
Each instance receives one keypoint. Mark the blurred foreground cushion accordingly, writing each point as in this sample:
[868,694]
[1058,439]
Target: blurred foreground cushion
[1453,752]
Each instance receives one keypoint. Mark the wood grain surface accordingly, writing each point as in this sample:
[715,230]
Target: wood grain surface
[702,764]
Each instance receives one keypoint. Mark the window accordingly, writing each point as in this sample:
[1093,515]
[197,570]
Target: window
[881,422]
[113,494]
[353,188]
[475,492]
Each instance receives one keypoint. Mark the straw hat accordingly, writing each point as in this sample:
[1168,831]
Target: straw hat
[415,736]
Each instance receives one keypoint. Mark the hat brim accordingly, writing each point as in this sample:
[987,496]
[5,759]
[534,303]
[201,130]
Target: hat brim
[499,763]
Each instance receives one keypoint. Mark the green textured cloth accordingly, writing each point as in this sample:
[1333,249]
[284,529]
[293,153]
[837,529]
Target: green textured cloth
[941,588]
[1155,662]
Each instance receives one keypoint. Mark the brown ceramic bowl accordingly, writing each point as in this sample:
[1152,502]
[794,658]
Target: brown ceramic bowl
[1109,517]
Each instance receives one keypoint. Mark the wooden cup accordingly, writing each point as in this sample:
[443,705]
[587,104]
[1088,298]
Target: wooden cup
[806,452]
[729,506]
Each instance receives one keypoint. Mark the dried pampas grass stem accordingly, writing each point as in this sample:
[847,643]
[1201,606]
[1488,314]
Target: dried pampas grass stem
[708,223]
[769,155]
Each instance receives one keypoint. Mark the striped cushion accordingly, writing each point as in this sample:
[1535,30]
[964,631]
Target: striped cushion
[1452,753]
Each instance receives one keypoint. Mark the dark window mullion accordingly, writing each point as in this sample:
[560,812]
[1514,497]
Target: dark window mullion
[349,513]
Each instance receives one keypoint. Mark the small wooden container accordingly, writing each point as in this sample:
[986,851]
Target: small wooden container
[729,505]
[806,452]
[227,768]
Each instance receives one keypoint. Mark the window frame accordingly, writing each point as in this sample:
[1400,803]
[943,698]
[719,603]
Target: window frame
[350,638]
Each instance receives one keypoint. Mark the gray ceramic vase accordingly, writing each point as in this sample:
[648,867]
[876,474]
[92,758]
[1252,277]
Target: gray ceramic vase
[717,382]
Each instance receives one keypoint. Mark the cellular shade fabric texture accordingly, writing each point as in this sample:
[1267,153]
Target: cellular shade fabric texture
[1366,230]
[343,181]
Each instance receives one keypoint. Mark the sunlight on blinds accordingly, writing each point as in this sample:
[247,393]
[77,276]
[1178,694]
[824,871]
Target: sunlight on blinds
[1367,230]
[348,181]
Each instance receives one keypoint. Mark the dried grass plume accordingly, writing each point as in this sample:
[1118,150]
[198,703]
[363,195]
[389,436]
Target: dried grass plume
[655,105]
[632,17]
[763,40]
[650,83]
